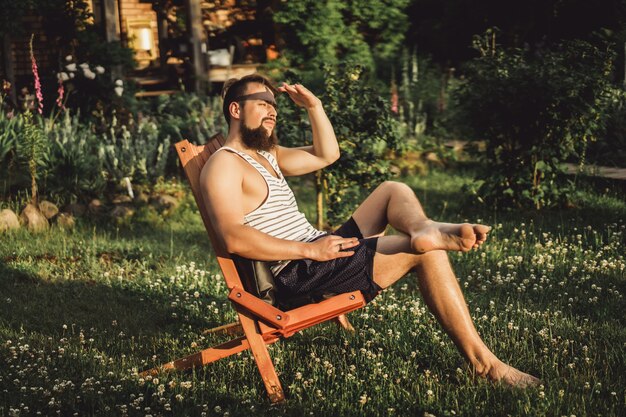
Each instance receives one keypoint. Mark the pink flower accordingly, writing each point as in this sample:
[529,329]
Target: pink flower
[61,91]
[36,76]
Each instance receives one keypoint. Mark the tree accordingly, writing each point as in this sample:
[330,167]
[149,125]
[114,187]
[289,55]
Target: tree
[535,110]
[329,32]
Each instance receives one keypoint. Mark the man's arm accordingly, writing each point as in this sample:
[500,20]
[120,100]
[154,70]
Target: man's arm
[325,149]
[221,183]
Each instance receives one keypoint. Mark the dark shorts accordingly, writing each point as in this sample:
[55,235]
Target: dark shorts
[305,278]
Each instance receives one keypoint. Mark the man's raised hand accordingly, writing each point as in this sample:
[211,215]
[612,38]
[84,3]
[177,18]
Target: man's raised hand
[332,247]
[300,95]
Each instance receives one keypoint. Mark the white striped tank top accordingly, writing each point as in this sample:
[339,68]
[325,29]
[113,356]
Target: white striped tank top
[278,215]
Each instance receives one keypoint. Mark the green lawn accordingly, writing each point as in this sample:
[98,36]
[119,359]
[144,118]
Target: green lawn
[82,311]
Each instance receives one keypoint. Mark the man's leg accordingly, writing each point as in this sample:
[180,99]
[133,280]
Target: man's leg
[396,204]
[444,298]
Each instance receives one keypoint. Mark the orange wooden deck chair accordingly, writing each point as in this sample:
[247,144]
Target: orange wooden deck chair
[261,322]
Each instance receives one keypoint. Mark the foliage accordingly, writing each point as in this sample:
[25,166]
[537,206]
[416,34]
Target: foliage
[534,111]
[189,116]
[138,152]
[31,149]
[73,170]
[90,69]
[11,16]
[610,148]
[329,32]
[423,95]
[84,159]
[10,126]
[366,133]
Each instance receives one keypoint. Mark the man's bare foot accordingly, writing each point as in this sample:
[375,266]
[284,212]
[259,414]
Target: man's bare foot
[449,236]
[510,376]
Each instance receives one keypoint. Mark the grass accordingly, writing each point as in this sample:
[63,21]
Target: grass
[82,311]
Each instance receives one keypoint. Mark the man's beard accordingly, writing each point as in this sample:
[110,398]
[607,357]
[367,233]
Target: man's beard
[258,138]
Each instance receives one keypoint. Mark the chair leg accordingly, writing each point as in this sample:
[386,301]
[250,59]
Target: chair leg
[261,357]
[231,328]
[344,323]
[203,357]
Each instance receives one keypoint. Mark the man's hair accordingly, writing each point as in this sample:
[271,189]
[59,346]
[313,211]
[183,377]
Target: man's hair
[236,87]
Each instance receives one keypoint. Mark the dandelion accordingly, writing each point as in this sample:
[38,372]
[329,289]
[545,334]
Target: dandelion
[36,76]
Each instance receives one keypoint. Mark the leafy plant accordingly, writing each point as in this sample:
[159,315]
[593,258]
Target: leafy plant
[610,147]
[189,116]
[367,134]
[31,149]
[138,152]
[73,169]
[534,110]
[330,32]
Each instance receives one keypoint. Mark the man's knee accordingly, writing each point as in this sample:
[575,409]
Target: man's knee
[433,258]
[395,187]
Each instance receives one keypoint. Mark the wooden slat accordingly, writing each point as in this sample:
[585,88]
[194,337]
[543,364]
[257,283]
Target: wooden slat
[203,357]
[259,308]
[258,346]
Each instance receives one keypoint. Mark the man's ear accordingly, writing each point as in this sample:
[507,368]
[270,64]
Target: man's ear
[235,110]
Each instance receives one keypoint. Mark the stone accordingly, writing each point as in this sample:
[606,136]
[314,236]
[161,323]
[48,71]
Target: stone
[166,202]
[33,219]
[122,212]
[48,209]
[142,198]
[8,220]
[95,206]
[122,199]
[75,209]
[65,221]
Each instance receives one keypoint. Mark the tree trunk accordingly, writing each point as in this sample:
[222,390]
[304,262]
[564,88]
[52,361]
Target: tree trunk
[319,193]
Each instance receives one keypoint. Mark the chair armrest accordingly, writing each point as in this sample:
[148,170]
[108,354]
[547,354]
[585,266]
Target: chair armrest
[259,308]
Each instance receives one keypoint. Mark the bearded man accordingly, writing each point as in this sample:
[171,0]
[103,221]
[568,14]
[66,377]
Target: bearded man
[256,215]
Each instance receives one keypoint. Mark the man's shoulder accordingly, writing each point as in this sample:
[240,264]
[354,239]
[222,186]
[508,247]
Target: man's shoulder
[223,162]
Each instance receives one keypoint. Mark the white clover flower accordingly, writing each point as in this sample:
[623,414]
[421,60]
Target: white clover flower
[84,65]
[89,73]
[68,58]
[62,76]
[99,69]
[71,75]
[71,67]
[120,83]
[119,90]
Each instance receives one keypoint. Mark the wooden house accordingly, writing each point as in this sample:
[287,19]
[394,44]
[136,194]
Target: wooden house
[177,44]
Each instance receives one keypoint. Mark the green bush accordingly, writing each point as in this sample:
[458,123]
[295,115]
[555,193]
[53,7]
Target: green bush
[610,147]
[330,32]
[189,116]
[136,151]
[73,170]
[535,110]
[367,134]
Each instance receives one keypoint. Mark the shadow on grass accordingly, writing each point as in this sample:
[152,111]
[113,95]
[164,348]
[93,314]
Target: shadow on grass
[32,305]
